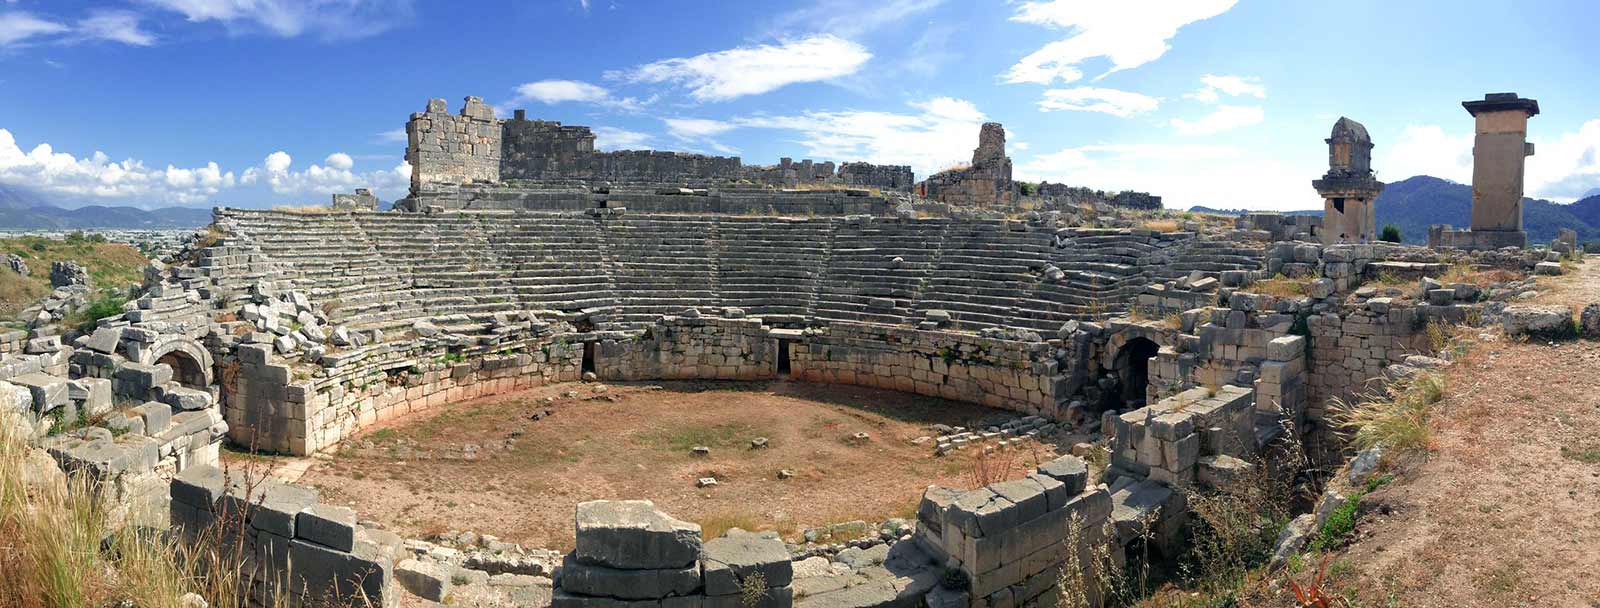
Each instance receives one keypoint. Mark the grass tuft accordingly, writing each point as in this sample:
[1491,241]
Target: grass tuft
[1396,418]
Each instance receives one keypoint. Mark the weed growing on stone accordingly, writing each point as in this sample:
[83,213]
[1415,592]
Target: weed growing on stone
[1395,417]
[1341,523]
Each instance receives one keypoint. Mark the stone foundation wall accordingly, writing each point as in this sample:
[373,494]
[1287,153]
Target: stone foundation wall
[1011,539]
[1005,374]
[291,544]
[276,405]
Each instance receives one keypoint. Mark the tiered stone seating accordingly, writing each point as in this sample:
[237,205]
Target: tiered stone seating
[556,262]
[1102,273]
[449,269]
[663,264]
[1211,257]
[773,266]
[864,282]
[389,270]
[984,272]
[328,256]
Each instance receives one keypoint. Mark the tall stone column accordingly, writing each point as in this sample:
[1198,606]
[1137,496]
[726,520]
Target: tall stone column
[1499,153]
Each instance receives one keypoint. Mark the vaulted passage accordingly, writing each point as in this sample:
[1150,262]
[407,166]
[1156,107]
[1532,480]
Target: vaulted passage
[1133,370]
[185,369]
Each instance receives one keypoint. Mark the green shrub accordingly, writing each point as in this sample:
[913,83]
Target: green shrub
[109,304]
[1391,233]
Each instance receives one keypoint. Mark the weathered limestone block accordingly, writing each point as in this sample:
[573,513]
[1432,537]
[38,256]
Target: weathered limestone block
[632,534]
[1536,320]
[48,392]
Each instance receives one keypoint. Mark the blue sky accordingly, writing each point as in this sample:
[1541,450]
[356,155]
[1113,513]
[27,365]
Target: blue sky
[1216,102]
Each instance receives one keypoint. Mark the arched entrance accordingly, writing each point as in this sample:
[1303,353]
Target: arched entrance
[190,362]
[1132,367]
[185,369]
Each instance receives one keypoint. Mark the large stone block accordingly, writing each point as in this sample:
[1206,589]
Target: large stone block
[641,584]
[198,486]
[1071,471]
[48,392]
[633,534]
[733,558]
[327,525]
[136,379]
[93,394]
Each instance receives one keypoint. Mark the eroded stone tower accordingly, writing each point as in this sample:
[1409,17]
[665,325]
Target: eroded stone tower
[1348,189]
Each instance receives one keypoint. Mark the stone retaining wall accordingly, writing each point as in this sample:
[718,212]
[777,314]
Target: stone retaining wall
[1010,540]
[290,543]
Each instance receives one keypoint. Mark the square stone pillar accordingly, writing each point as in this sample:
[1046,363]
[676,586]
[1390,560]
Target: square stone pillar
[1499,152]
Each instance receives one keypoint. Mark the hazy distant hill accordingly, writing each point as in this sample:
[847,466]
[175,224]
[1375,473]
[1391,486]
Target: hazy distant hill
[1414,203]
[21,209]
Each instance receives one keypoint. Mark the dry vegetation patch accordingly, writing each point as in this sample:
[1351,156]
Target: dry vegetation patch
[1501,510]
[490,467]
[110,265]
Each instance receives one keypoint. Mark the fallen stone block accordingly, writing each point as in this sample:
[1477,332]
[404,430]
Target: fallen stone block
[427,580]
[327,525]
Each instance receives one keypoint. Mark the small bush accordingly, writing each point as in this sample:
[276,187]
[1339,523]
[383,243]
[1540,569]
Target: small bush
[1390,233]
[109,304]
[1341,523]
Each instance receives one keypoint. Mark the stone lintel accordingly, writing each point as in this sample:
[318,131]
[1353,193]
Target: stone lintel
[1502,102]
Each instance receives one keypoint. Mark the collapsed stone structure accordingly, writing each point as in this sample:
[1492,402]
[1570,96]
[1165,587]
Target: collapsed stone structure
[289,332]
[984,183]
[1499,152]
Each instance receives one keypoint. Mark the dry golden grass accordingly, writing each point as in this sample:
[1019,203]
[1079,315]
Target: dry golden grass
[1161,225]
[1395,417]
[307,209]
[1281,286]
[64,543]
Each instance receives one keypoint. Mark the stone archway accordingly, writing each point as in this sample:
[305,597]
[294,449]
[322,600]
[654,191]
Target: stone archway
[190,362]
[1132,367]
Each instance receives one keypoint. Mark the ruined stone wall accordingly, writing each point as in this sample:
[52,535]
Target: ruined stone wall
[1008,375]
[300,552]
[448,151]
[1010,540]
[898,178]
[280,407]
[445,148]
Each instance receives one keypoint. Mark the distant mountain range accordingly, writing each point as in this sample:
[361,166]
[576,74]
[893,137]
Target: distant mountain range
[21,209]
[1416,202]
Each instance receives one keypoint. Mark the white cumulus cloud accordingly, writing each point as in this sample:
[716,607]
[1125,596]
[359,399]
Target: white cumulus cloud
[940,132]
[563,91]
[336,174]
[1184,175]
[17,27]
[1128,33]
[96,176]
[752,70]
[116,26]
[1224,118]
[1096,99]
[613,138]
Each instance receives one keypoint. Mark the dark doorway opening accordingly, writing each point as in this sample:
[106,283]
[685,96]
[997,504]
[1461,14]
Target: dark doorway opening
[185,369]
[783,357]
[1133,370]
[588,358]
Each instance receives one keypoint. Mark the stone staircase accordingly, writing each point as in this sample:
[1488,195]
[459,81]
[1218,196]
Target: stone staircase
[663,264]
[878,269]
[773,266]
[985,271]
